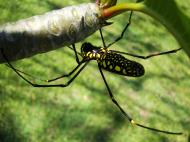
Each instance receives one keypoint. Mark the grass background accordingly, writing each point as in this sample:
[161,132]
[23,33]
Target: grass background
[83,111]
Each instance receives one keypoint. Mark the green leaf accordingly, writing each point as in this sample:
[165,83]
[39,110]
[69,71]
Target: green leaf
[170,15]
[166,12]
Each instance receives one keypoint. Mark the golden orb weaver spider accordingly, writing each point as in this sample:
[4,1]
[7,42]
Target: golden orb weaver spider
[110,60]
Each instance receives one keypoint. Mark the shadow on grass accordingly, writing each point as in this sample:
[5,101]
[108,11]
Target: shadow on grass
[93,133]
[105,134]
[9,131]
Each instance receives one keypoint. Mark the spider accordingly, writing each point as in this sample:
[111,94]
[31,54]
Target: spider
[110,60]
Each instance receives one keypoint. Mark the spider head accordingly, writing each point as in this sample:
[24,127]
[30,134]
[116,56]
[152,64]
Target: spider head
[88,48]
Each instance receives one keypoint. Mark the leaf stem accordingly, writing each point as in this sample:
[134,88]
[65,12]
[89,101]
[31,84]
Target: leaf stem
[172,17]
[120,8]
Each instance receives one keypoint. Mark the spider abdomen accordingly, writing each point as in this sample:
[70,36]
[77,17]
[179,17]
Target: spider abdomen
[118,64]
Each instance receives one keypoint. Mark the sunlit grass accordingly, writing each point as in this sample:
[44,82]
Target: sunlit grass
[83,112]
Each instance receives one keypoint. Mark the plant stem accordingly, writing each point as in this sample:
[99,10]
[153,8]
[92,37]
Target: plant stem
[167,13]
[118,9]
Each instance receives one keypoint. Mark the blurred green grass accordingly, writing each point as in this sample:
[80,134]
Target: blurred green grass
[83,112]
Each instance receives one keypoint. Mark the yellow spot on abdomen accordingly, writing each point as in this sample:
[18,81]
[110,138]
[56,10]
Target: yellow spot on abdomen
[108,63]
[124,71]
[104,64]
[117,68]
[111,67]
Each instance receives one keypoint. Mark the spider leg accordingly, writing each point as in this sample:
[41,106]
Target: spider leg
[49,85]
[126,115]
[75,50]
[120,37]
[102,37]
[31,76]
[65,75]
[76,54]
[66,84]
[50,80]
[148,56]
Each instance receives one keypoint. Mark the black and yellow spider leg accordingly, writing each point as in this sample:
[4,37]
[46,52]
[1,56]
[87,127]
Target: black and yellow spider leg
[126,115]
[148,56]
[50,80]
[53,85]
[48,85]
[31,76]
[120,37]
[66,75]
